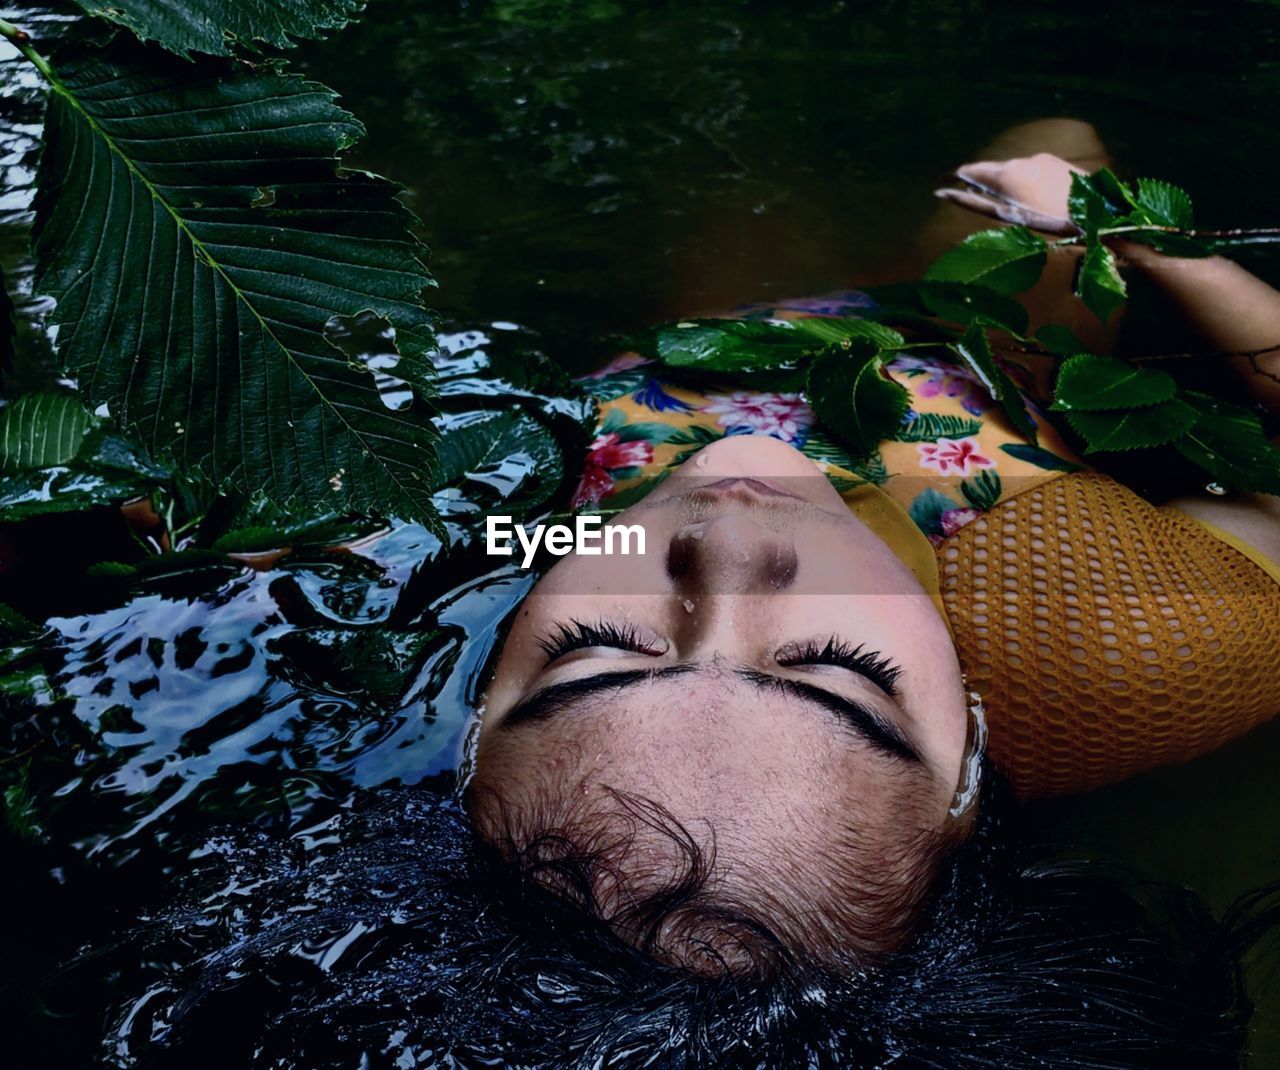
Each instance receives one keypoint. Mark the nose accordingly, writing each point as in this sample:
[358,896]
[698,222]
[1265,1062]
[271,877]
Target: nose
[731,554]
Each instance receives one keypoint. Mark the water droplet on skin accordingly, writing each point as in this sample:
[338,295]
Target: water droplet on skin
[688,605]
[696,534]
[700,461]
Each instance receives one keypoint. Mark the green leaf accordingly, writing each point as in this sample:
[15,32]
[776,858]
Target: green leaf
[509,456]
[1096,383]
[1132,429]
[218,26]
[961,303]
[1165,203]
[1007,260]
[974,352]
[927,507]
[1039,456]
[1229,443]
[41,431]
[983,490]
[931,426]
[1098,200]
[1099,283]
[726,345]
[1060,340]
[833,329]
[197,311]
[853,399]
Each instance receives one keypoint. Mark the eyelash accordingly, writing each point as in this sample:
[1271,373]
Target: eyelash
[876,667]
[578,635]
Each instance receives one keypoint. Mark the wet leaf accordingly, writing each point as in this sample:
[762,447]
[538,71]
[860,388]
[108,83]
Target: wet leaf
[854,400]
[1165,203]
[1229,443]
[727,345]
[509,457]
[1039,456]
[1131,429]
[203,329]
[217,27]
[1098,283]
[1095,383]
[41,431]
[1060,340]
[1008,260]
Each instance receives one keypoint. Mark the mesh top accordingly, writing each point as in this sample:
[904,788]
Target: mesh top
[1106,635]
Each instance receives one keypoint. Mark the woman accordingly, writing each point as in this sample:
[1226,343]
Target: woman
[796,678]
[754,757]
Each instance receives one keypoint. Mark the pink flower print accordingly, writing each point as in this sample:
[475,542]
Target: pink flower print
[953,456]
[784,416]
[607,453]
[947,380]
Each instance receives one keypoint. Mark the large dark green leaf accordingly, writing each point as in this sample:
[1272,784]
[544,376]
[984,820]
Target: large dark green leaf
[961,303]
[41,430]
[218,26]
[6,328]
[1008,260]
[198,236]
[1229,443]
[1095,383]
[974,352]
[854,401]
[1155,425]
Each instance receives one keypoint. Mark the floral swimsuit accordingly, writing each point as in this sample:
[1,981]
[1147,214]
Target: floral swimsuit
[955,456]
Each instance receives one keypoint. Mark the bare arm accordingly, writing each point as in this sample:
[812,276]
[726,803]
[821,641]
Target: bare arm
[1230,308]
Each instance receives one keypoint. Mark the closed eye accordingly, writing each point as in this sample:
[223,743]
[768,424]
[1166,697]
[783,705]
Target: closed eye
[566,637]
[877,668]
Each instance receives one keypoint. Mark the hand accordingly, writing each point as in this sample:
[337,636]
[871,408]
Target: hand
[1030,190]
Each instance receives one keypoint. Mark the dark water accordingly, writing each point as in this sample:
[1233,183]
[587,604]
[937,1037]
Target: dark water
[581,168]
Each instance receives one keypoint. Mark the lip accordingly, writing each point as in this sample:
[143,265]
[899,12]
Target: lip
[749,484]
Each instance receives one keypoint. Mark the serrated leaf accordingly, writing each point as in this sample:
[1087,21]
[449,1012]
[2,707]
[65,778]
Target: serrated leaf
[1098,283]
[961,303]
[1165,203]
[1008,260]
[1097,200]
[726,345]
[974,352]
[196,311]
[1229,443]
[1132,429]
[41,430]
[834,329]
[217,27]
[1094,383]
[853,399]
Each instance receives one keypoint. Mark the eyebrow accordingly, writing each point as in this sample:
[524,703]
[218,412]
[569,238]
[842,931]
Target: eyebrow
[877,731]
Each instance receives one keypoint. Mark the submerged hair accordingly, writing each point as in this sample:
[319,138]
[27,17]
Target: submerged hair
[408,942]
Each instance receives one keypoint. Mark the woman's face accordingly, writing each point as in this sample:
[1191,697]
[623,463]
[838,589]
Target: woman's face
[768,670]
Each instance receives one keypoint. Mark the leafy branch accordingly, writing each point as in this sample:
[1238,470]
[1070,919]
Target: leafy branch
[972,291]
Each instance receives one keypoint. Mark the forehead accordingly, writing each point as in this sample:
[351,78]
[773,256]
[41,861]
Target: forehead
[707,737]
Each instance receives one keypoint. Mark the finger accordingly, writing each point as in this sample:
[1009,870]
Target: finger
[1007,211]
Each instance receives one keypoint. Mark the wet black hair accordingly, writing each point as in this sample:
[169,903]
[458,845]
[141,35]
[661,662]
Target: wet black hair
[397,938]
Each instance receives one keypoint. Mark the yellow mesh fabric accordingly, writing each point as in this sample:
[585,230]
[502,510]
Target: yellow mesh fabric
[1107,636]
